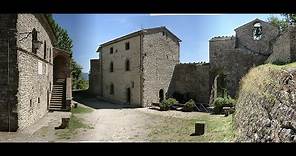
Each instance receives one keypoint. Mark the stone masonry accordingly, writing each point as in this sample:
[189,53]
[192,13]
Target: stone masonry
[192,81]
[30,73]
[156,69]
[234,56]
[95,77]
[160,56]
[151,55]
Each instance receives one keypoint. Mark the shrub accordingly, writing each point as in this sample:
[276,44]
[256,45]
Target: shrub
[220,102]
[166,104]
[280,62]
[189,106]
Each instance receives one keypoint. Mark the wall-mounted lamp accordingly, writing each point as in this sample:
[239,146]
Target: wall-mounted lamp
[36,44]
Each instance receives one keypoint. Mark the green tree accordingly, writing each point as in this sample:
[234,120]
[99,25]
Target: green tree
[65,42]
[282,24]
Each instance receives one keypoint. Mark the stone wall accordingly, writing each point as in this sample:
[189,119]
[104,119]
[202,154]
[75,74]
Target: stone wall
[191,80]
[284,48]
[35,72]
[120,78]
[234,56]
[265,109]
[244,36]
[160,56]
[95,77]
[8,73]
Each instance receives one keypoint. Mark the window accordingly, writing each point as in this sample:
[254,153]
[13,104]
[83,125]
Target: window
[31,103]
[111,89]
[127,46]
[34,39]
[38,99]
[50,55]
[111,50]
[127,65]
[45,50]
[111,67]
[163,33]
[257,31]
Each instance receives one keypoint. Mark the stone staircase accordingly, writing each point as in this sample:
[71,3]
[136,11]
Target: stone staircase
[57,101]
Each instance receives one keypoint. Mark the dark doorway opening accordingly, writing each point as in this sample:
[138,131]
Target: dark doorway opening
[161,95]
[128,95]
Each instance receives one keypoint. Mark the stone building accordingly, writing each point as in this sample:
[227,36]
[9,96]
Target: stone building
[137,68]
[28,69]
[255,43]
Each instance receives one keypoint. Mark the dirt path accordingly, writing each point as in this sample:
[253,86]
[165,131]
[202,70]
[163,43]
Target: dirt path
[112,122]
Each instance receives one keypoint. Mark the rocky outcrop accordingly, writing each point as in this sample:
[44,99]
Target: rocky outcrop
[266,106]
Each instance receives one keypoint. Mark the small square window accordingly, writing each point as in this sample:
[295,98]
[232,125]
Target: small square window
[127,46]
[111,50]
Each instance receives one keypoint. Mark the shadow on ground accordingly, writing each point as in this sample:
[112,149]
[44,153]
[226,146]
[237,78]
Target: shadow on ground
[82,97]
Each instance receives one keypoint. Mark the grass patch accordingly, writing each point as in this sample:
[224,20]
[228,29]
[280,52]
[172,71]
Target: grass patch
[74,124]
[81,109]
[218,129]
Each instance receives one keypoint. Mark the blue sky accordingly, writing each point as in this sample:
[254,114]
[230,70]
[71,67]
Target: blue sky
[88,31]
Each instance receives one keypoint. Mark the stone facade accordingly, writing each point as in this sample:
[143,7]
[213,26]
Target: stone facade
[8,72]
[284,47]
[190,80]
[30,73]
[151,57]
[95,77]
[160,56]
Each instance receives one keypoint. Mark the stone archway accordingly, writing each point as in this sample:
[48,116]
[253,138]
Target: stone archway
[60,68]
[61,95]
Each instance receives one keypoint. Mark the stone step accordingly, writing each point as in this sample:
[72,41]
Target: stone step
[52,105]
[57,93]
[57,101]
[56,97]
[55,106]
[58,87]
[56,109]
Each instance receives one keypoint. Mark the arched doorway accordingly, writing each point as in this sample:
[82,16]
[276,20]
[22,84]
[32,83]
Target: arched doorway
[128,95]
[161,95]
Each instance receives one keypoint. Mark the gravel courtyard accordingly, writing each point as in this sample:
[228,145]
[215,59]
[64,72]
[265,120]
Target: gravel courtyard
[100,121]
